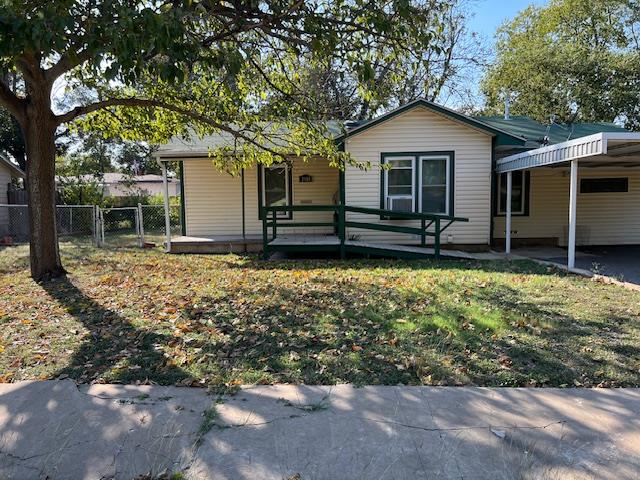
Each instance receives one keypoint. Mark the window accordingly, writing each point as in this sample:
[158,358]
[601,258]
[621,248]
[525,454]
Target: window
[519,193]
[434,197]
[399,183]
[604,185]
[418,182]
[275,183]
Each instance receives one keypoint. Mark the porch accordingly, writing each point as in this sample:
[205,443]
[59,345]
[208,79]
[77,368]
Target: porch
[584,193]
[273,240]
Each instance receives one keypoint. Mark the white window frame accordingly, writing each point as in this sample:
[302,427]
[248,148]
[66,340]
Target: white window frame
[287,183]
[522,210]
[388,161]
[447,185]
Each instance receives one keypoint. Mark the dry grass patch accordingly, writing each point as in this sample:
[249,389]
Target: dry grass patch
[130,315]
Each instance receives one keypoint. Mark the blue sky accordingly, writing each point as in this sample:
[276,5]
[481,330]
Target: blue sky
[490,14]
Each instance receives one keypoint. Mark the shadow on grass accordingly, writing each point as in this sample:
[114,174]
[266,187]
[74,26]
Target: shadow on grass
[325,330]
[114,345]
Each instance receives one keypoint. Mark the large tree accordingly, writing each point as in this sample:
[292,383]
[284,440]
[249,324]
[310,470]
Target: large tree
[164,67]
[571,59]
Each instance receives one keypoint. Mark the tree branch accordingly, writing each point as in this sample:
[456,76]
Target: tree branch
[150,103]
[11,102]
[67,62]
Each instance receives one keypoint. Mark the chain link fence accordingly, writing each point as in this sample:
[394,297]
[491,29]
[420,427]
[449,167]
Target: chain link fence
[106,227]
[78,221]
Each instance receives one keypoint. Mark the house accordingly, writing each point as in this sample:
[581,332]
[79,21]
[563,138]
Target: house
[10,174]
[116,184]
[445,182]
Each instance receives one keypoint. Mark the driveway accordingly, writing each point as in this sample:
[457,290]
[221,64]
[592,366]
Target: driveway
[57,430]
[620,262]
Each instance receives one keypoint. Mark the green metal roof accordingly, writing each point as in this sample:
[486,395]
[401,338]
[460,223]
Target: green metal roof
[535,132]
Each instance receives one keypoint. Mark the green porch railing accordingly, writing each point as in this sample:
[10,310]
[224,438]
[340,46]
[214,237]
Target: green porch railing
[271,220]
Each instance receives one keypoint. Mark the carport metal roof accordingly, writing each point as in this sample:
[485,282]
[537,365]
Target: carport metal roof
[620,149]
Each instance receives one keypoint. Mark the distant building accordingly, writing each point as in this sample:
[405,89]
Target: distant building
[122,185]
[9,174]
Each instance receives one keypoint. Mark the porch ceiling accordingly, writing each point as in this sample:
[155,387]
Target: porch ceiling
[615,149]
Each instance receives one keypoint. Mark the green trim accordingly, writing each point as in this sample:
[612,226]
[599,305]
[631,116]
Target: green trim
[183,215]
[502,137]
[244,220]
[493,191]
[417,172]
[290,181]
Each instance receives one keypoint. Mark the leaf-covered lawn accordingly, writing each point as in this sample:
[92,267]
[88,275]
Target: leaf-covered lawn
[137,316]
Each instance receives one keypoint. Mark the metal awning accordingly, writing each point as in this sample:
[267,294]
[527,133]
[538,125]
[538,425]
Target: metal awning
[620,149]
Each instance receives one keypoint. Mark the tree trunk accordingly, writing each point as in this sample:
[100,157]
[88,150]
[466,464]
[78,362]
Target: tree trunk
[41,159]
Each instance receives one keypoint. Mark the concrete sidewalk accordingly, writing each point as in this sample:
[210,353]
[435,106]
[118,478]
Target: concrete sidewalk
[56,430]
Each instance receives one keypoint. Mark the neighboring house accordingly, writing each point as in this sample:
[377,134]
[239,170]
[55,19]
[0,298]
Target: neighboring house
[9,173]
[439,162]
[122,185]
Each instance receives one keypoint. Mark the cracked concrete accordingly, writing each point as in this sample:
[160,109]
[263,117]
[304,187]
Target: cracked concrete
[57,430]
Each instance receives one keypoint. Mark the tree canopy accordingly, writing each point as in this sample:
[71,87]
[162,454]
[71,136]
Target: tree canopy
[157,68]
[575,59]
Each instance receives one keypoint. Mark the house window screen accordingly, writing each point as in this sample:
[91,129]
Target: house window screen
[434,181]
[276,187]
[399,184]
[518,194]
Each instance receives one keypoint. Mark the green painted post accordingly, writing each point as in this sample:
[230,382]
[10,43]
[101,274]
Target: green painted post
[342,231]
[265,240]
[423,237]
[274,217]
[437,239]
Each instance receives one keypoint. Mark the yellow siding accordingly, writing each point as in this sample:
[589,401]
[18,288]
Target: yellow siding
[319,192]
[214,200]
[603,218]
[416,131]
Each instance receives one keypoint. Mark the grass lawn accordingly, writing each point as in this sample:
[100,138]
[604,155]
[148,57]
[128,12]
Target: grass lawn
[130,315]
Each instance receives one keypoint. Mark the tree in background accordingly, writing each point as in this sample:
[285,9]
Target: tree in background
[165,67]
[445,75]
[575,59]
[11,139]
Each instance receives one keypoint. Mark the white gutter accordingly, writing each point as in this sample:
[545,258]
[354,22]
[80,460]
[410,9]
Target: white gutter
[590,146]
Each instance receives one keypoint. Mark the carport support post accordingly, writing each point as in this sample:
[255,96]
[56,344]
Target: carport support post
[167,218]
[508,216]
[573,202]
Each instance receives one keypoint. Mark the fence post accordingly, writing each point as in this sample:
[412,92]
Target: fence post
[101,226]
[141,225]
[94,224]
[423,236]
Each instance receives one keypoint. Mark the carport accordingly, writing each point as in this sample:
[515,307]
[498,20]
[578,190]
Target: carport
[602,150]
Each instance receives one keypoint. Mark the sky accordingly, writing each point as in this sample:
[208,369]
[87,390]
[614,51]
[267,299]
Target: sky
[490,14]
